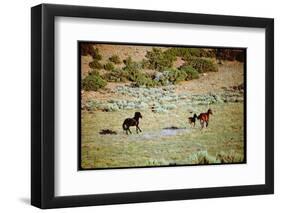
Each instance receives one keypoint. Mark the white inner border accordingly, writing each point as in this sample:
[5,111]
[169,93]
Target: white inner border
[69,181]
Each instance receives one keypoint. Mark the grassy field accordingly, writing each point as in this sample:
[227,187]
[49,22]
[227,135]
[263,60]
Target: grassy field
[221,142]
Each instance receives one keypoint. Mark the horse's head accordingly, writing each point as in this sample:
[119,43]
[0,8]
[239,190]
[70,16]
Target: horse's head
[138,115]
[210,111]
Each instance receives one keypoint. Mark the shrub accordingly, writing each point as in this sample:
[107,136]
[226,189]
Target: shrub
[240,56]
[145,64]
[88,49]
[93,82]
[184,52]
[161,79]
[116,75]
[95,64]
[159,60]
[230,54]
[134,74]
[191,73]
[202,65]
[174,76]
[142,79]
[128,61]
[131,65]
[108,66]
[95,54]
[115,59]
[85,49]
[208,53]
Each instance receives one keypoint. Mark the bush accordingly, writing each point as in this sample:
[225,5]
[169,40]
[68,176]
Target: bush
[131,65]
[115,59]
[85,49]
[174,76]
[145,64]
[95,54]
[240,56]
[161,79]
[128,61]
[93,82]
[108,66]
[202,65]
[191,73]
[95,64]
[230,54]
[142,79]
[184,52]
[159,60]
[117,75]
[88,49]
[208,53]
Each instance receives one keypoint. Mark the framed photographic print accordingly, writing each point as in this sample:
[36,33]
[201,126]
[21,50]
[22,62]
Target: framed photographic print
[139,106]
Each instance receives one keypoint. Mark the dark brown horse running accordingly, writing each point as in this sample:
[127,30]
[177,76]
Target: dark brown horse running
[132,122]
[204,118]
[192,120]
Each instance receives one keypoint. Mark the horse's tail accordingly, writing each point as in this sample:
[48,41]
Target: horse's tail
[124,125]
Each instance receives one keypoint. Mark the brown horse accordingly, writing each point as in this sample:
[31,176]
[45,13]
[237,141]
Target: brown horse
[192,120]
[204,118]
[132,122]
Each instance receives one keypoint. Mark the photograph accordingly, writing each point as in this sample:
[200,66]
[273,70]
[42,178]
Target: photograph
[152,105]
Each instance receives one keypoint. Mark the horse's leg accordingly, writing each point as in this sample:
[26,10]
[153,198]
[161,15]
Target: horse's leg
[129,130]
[139,128]
[202,124]
[207,122]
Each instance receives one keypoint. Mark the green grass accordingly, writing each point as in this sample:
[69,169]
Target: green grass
[221,142]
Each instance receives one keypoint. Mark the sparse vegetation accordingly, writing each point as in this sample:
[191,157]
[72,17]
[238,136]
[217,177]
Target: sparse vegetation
[88,49]
[93,82]
[159,60]
[95,64]
[109,66]
[184,52]
[116,75]
[191,73]
[229,54]
[202,65]
[115,59]
[95,54]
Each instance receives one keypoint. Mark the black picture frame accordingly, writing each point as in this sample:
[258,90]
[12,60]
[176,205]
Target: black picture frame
[43,106]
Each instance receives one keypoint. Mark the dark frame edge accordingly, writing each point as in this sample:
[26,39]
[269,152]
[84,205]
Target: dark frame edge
[269,106]
[42,128]
[36,50]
